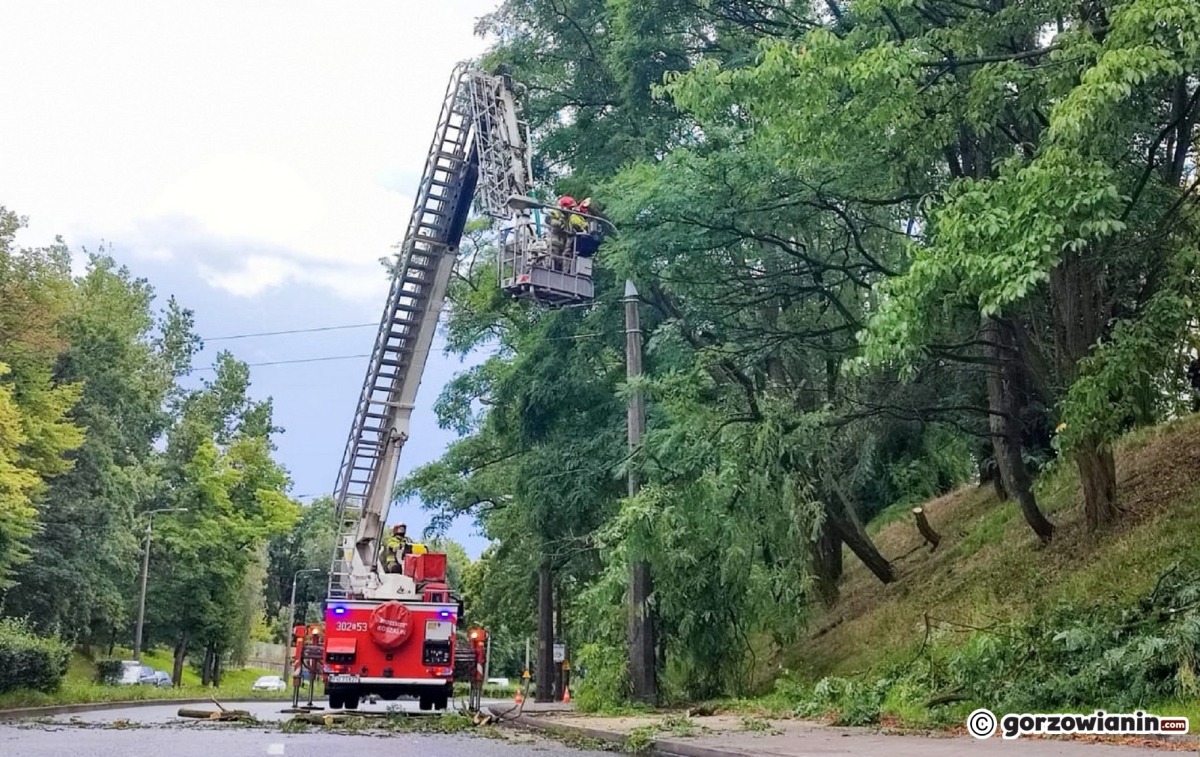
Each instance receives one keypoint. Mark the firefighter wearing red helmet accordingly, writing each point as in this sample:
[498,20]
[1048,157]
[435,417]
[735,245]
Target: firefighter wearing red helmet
[564,224]
[559,231]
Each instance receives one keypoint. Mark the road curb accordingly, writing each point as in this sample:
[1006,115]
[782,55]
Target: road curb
[65,709]
[664,748]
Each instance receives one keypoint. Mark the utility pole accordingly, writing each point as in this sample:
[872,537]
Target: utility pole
[641,618]
[137,639]
[545,658]
[292,618]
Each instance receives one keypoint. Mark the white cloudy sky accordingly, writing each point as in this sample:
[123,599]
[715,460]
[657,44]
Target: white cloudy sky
[255,159]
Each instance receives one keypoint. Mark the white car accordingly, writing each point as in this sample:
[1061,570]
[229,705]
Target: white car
[269,683]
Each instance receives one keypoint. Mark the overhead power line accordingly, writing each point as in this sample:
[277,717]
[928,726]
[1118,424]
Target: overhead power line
[289,331]
[291,362]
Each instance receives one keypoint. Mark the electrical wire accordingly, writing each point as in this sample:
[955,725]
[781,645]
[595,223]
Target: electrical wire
[292,362]
[289,331]
[342,328]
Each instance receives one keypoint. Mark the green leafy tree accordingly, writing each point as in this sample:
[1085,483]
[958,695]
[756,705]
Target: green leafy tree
[219,468]
[88,516]
[308,545]
[36,430]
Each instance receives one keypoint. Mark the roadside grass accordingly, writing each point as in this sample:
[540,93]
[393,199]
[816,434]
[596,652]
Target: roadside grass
[490,691]
[990,569]
[79,685]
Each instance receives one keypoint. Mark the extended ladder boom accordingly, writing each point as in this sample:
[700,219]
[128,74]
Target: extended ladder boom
[479,142]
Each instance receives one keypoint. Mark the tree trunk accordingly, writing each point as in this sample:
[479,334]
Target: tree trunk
[180,656]
[926,530]
[545,664]
[1081,309]
[826,554]
[1097,473]
[859,543]
[206,666]
[1005,428]
[560,636]
[642,672]
[840,514]
[989,469]
[216,667]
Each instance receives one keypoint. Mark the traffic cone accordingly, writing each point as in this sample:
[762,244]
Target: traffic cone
[566,694]
[520,698]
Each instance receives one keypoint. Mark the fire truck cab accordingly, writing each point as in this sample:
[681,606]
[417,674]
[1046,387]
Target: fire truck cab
[400,647]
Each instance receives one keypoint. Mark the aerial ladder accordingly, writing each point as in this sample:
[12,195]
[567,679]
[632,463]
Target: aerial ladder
[393,633]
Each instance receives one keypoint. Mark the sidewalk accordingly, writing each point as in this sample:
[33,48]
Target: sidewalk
[736,736]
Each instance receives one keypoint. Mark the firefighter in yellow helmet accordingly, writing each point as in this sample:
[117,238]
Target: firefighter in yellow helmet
[395,548]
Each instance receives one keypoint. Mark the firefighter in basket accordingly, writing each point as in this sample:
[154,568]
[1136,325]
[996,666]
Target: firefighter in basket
[564,225]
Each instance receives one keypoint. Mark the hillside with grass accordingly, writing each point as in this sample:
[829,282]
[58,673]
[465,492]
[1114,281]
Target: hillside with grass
[991,617]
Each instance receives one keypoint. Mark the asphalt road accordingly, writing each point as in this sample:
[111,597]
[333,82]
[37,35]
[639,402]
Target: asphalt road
[266,711]
[157,731]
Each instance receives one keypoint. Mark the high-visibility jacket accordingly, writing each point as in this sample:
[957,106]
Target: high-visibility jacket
[572,222]
[394,547]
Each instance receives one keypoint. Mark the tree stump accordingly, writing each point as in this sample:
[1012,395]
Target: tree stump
[925,529]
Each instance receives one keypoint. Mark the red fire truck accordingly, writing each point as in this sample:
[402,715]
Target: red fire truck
[399,647]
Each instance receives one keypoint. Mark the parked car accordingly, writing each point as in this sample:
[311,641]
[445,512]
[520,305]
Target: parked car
[269,683]
[162,678]
[134,673]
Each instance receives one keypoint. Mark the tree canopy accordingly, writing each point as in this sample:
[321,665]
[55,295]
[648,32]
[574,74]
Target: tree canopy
[884,248]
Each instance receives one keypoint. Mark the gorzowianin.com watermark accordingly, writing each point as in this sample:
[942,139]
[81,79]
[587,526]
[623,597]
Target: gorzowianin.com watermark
[982,724]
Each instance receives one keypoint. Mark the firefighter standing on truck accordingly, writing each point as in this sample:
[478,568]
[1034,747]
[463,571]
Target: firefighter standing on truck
[395,548]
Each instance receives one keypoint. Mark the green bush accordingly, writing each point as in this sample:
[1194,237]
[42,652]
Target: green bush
[29,661]
[606,684]
[108,671]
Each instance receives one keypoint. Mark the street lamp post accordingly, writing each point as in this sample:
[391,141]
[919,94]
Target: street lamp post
[292,616]
[137,639]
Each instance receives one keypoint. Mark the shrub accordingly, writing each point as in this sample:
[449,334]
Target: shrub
[29,661]
[108,671]
[606,682]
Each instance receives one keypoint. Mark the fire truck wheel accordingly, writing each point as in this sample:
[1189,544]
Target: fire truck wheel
[336,701]
[440,702]
[352,703]
[425,702]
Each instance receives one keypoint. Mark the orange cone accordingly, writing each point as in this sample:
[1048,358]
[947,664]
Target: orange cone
[566,694]
[520,697]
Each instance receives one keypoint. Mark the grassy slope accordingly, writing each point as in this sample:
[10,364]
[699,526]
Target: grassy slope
[989,566]
[80,686]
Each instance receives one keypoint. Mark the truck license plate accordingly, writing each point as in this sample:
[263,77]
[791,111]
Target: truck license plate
[343,679]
